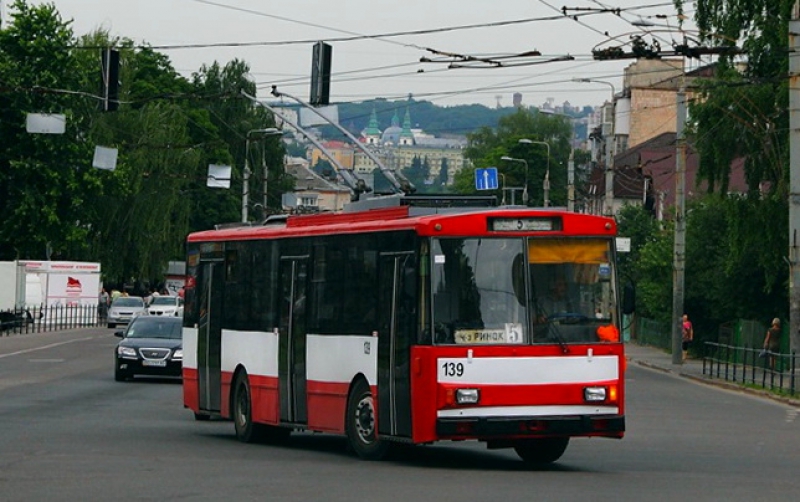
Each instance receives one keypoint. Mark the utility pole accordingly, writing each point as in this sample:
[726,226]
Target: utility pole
[571,181]
[794,179]
[679,264]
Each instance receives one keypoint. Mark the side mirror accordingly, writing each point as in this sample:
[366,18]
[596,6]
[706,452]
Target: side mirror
[119,334]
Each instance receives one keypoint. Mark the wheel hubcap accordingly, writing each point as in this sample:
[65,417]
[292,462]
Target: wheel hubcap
[365,420]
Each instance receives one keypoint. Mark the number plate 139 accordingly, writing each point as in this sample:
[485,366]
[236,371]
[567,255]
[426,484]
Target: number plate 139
[451,369]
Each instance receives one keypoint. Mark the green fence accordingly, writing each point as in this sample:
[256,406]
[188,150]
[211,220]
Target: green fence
[743,333]
[653,333]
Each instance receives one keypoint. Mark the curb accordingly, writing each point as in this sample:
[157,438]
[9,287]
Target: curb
[721,383]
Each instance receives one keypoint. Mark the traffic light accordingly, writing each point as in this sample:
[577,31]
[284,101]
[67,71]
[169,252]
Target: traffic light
[321,74]
[109,80]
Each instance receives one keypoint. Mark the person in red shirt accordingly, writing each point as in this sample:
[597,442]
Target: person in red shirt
[687,335]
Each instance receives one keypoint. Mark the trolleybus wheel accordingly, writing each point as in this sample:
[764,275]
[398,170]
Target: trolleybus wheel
[246,430]
[200,417]
[242,411]
[541,451]
[360,424]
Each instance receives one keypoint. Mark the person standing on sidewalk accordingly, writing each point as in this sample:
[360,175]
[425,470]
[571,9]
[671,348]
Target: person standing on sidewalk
[772,341]
[687,335]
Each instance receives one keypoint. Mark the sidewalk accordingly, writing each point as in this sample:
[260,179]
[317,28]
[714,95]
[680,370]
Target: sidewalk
[655,358]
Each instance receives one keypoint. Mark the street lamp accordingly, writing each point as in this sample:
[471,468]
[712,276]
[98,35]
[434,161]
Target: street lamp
[546,183]
[269,131]
[525,186]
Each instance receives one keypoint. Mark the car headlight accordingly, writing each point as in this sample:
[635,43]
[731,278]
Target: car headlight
[178,354]
[126,352]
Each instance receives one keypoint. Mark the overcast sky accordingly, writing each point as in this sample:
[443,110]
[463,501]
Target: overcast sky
[283,33]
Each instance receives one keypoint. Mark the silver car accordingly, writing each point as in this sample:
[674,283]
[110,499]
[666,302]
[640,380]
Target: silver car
[124,309]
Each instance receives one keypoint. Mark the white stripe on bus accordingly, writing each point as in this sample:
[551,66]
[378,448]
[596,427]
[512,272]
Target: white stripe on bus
[528,411]
[256,350]
[337,358]
[527,370]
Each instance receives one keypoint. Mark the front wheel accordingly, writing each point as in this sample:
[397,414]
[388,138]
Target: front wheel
[541,451]
[360,424]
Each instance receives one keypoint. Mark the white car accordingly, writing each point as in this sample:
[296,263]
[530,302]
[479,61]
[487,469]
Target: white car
[166,306]
[125,308]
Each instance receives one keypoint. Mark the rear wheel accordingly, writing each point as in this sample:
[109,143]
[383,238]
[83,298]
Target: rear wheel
[246,430]
[112,325]
[360,424]
[541,451]
[200,417]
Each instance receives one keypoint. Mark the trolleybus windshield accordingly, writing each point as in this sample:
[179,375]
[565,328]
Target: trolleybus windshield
[522,291]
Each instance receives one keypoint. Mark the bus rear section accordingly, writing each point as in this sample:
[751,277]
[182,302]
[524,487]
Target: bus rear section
[498,326]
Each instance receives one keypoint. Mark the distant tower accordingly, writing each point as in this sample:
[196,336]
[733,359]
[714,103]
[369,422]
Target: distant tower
[498,98]
[406,136]
[517,99]
[372,133]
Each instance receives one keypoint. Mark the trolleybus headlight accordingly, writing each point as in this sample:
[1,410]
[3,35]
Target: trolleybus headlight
[177,355]
[467,396]
[594,393]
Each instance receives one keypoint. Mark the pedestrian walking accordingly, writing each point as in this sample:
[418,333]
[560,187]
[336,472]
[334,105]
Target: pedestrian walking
[687,335]
[772,341]
[103,302]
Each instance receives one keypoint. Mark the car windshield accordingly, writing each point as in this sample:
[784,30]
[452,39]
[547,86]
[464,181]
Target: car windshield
[128,301]
[155,327]
[164,300]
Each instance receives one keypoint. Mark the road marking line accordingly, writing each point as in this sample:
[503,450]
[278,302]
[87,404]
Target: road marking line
[45,347]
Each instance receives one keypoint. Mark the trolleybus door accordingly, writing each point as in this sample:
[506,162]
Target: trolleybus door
[396,321]
[209,335]
[292,340]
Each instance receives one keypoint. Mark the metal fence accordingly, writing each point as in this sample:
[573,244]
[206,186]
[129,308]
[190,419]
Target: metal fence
[51,318]
[653,333]
[752,366]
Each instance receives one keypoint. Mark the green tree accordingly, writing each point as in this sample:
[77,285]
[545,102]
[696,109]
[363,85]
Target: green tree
[742,113]
[487,146]
[45,179]
[443,174]
[234,117]
[416,173]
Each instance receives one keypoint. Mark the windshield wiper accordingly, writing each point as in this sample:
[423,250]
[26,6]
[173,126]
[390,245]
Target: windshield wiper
[562,342]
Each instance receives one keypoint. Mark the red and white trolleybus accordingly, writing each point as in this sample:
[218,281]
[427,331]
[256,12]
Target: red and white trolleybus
[409,324]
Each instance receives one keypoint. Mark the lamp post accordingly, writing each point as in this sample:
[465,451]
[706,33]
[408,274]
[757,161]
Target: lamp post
[609,196]
[269,131]
[525,186]
[546,183]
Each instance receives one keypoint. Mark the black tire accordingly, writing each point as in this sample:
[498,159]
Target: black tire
[241,412]
[201,417]
[112,325]
[360,424]
[541,451]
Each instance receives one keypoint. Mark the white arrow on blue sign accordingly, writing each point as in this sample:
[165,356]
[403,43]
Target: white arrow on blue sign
[486,178]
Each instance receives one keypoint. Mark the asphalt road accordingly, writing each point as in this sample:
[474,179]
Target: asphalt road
[69,432]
